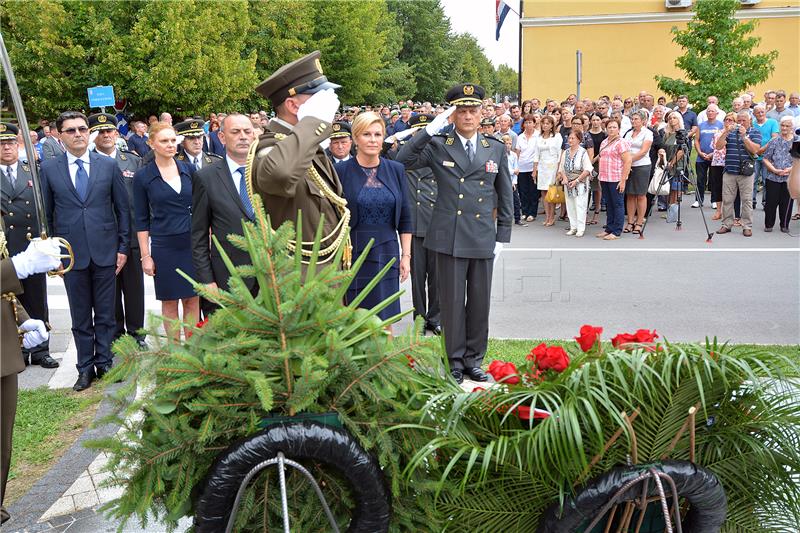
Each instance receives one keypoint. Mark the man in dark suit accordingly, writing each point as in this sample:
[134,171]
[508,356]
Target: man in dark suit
[473,181]
[20,219]
[52,145]
[87,204]
[129,301]
[220,204]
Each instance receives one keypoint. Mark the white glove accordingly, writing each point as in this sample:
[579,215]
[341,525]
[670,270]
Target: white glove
[39,256]
[439,122]
[400,135]
[36,333]
[321,105]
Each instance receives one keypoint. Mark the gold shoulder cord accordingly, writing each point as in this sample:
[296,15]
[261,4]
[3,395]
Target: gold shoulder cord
[8,296]
[340,233]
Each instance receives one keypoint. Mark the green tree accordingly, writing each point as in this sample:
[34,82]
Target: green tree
[426,32]
[719,56]
[470,64]
[280,32]
[396,78]
[352,41]
[187,55]
[507,80]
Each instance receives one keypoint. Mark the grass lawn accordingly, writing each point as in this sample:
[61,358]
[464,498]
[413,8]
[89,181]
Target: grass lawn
[515,350]
[48,422]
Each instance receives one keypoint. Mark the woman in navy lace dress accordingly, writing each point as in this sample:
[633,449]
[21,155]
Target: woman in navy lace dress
[378,202]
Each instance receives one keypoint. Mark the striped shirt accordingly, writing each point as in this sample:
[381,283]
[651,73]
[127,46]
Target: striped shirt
[735,151]
[611,159]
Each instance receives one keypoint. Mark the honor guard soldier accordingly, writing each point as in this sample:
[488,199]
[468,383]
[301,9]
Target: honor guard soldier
[191,148]
[422,189]
[130,280]
[288,167]
[471,171]
[341,147]
[21,223]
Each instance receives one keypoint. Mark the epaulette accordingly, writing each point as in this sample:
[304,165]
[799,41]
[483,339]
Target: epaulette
[125,154]
[181,156]
[267,140]
[492,137]
[213,155]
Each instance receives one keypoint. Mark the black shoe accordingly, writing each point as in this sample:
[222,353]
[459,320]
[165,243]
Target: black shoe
[45,361]
[436,329]
[784,230]
[520,223]
[101,371]
[458,375]
[476,374]
[84,381]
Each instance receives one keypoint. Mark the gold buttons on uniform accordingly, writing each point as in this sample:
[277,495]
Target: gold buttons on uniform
[462,180]
[417,203]
[418,191]
[478,215]
[481,182]
[458,212]
[480,199]
[11,214]
[461,196]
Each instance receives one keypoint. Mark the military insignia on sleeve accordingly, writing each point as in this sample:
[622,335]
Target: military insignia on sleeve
[449,141]
[484,143]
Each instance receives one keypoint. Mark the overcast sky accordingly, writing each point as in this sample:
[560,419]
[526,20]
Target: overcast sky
[478,18]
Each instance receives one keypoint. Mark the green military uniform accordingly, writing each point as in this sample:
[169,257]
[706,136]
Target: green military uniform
[288,167]
[11,362]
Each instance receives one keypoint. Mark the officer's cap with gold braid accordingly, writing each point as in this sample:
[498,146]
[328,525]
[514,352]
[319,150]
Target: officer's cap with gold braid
[466,94]
[302,76]
[190,128]
[102,121]
[420,121]
[8,131]
[340,129]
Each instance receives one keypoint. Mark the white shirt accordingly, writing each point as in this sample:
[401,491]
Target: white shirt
[112,155]
[527,149]
[73,167]
[196,160]
[637,143]
[233,166]
[473,140]
[13,167]
[337,160]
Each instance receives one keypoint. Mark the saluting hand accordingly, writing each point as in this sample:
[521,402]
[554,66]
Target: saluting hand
[321,105]
[440,121]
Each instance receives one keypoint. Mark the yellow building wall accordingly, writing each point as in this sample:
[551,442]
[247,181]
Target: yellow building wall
[624,58]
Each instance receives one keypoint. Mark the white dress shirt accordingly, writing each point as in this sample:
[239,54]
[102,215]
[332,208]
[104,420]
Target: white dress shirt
[473,139]
[233,166]
[13,167]
[73,166]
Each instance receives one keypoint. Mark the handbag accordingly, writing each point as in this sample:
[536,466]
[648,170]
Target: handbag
[555,194]
[659,186]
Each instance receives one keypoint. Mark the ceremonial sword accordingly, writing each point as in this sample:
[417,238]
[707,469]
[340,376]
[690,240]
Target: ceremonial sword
[38,199]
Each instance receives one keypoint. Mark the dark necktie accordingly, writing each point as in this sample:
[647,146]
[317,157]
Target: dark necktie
[470,153]
[197,163]
[81,180]
[11,178]
[248,207]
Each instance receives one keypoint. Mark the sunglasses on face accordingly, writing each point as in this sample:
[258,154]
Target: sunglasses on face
[73,131]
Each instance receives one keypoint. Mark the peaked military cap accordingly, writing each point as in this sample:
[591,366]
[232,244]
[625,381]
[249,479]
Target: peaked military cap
[102,121]
[190,128]
[8,131]
[420,121]
[466,94]
[487,122]
[341,129]
[302,76]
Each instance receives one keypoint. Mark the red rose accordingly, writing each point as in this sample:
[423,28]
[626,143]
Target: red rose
[555,358]
[644,335]
[589,335]
[505,372]
[537,352]
[198,325]
[622,338]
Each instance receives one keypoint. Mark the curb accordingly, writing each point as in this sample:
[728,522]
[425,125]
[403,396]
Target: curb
[26,511]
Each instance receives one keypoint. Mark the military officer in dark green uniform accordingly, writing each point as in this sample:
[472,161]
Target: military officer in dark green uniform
[21,222]
[288,167]
[191,148]
[130,280]
[473,212]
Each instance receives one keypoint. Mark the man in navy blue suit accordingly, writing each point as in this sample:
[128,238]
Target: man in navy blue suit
[86,203]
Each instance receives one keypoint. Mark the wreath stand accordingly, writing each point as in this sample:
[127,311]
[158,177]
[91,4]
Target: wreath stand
[286,439]
[628,489]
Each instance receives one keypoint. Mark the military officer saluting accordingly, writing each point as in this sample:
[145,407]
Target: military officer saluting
[130,280]
[20,220]
[288,167]
[473,181]
[191,148]
[341,147]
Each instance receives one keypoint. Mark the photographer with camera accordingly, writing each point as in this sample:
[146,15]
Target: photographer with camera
[676,148]
[741,143]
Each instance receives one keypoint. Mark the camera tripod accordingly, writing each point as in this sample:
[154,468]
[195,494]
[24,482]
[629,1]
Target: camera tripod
[691,179]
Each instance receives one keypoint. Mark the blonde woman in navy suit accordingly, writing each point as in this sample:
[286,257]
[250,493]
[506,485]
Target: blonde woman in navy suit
[375,189]
[162,197]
